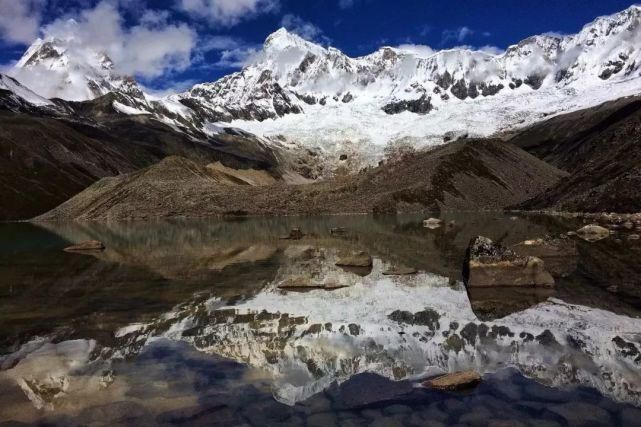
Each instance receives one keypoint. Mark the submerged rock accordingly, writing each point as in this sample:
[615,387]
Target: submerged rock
[489,264]
[454,381]
[294,234]
[355,259]
[593,232]
[338,231]
[87,245]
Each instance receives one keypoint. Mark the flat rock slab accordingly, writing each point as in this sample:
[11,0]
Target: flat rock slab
[86,246]
[490,264]
[454,381]
[303,283]
[399,270]
[355,259]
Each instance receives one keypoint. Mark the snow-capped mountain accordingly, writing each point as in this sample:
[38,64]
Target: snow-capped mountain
[305,95]
[21,94]
[290,73]
[60,68]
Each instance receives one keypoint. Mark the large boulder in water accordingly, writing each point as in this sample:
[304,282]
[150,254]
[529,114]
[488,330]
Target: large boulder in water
[489,264]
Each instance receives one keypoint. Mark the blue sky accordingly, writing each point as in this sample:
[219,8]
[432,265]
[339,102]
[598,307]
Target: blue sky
[175,43]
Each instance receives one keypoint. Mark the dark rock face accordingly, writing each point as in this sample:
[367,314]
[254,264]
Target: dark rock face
[423,105]
[601,149]
[490,89]
[459,89]
[347,98]
[307,99]
[491,265]
[516,83]
[612,68]
[306,62]
[534,81]
[445,80]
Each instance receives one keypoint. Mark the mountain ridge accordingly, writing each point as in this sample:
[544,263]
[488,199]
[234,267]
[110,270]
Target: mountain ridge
[312,97]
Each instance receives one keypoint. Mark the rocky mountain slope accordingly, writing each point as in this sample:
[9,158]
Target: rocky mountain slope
[600,147]
[51,151]
[464,175]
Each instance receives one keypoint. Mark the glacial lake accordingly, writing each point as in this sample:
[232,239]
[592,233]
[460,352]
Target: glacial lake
[184,322]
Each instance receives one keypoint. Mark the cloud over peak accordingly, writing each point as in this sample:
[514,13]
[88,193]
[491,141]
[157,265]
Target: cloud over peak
[228,13]
[20,20]
[147,49]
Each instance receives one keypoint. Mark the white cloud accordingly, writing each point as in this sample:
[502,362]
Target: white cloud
[20,20]
[228,12]
[148,49]
[304,29]
[459,34]
[419,50]
[237,58]
[492,50]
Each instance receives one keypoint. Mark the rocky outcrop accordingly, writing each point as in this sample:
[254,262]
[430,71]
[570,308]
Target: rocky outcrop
[489,264]
[423,105]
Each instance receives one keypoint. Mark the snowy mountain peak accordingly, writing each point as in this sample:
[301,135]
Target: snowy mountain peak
[282,39]
[61,68]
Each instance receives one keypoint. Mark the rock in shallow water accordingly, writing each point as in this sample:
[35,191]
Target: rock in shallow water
[490,264]
[593,232]
[294,234]
[88,245]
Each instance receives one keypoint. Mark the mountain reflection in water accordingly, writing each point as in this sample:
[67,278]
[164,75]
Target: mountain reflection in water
[174,316]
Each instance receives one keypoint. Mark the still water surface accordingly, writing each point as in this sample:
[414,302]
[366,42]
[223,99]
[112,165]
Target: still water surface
[183,322]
